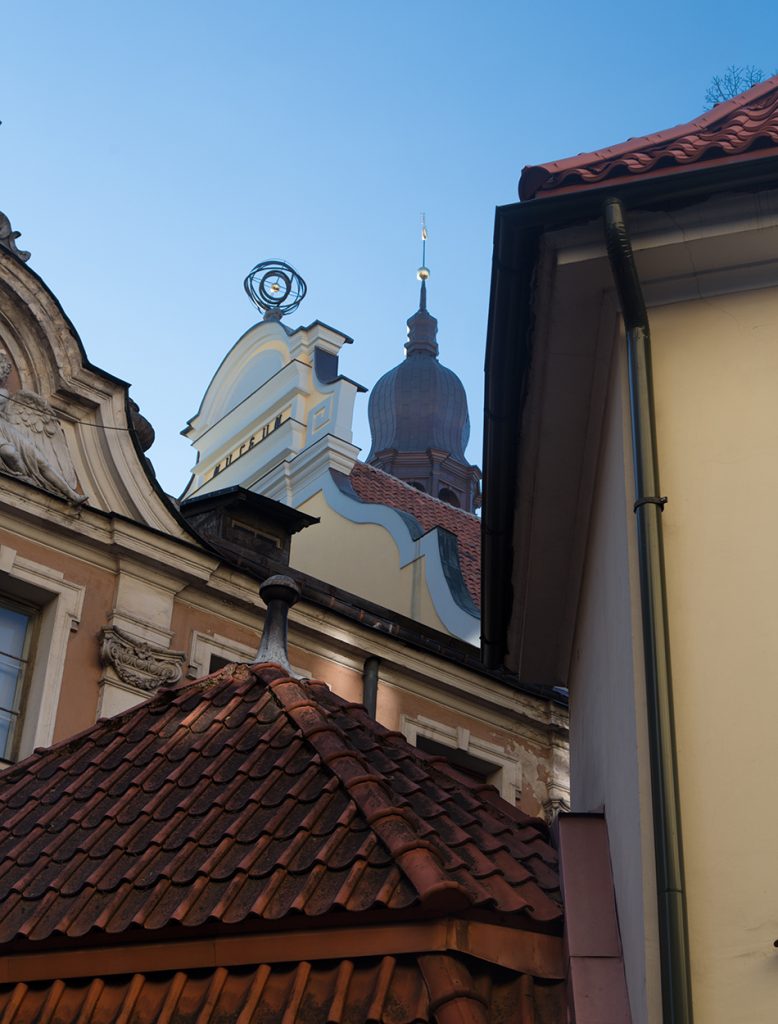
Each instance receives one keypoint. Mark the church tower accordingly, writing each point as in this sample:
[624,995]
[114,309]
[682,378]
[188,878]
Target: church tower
[418,416]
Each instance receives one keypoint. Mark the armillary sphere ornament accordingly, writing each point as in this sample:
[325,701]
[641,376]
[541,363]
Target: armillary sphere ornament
[275,288]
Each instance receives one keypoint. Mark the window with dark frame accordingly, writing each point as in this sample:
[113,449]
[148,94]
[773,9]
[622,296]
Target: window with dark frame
[217,662]
[17,624]
[478,769]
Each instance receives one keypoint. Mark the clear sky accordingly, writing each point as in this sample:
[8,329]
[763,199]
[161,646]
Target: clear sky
[152,153]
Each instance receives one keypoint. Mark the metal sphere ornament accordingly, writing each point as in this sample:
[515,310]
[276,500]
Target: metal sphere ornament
[275,288]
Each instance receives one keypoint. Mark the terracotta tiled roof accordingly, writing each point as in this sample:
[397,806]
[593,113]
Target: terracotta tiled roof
[744,127]
[375,486]
[389,990]
[226,994]
[251,796]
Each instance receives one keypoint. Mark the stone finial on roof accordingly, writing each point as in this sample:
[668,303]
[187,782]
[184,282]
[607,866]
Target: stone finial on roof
[279,594]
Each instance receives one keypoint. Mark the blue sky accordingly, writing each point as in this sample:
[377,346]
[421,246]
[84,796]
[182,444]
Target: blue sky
[152,153]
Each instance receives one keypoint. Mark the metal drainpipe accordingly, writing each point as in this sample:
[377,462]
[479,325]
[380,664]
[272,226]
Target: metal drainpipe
[370,685]
[673,932]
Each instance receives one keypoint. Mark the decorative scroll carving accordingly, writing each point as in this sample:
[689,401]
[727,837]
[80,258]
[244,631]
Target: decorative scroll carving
[553,807]
[139,663]
[8,238]
[143,429]
[32,444]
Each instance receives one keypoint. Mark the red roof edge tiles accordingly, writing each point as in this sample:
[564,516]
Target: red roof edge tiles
[251,846]
[745,127]
[404,989]
[376,487]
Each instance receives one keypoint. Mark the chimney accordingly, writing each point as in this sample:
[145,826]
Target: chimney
[279,594]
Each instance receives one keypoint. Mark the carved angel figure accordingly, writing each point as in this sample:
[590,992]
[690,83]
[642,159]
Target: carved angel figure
[32,445]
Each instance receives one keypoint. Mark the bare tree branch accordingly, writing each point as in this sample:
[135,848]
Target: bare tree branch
[736,79]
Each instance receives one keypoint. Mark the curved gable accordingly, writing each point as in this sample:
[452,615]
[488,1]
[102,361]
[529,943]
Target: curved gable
[251,362]
[91,406]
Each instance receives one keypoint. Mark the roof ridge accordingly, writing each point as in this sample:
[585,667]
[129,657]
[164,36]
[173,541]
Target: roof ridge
[394,825]
[416,492]
[646,151]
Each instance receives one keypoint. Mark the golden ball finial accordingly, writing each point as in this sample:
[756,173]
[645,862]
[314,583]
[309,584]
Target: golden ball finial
[423,274]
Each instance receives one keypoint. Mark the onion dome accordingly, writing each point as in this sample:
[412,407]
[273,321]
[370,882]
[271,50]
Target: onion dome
[418,417]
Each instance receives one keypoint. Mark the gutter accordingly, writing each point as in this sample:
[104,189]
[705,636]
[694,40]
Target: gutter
[505,365]
[671,899]
[370,684]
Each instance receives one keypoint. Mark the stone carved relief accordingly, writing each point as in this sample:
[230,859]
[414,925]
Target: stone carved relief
[558,799]
[139,663]
[8,239]
[553,807]
[32,444]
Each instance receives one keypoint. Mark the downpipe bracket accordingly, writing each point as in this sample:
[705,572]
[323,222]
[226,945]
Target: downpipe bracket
[661,502]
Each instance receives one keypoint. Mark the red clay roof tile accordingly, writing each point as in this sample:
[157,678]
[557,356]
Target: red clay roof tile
[393,990]
[746,126]
[253,795]
[374,486]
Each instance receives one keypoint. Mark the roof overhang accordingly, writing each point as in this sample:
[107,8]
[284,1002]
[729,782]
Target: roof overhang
[229,498]
[527,951]
[553,318]
[441,970]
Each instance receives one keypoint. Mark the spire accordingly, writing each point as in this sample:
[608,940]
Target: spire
[419,426]
[422,326]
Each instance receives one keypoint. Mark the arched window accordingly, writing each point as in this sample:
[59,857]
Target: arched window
[417,485]
[447,495]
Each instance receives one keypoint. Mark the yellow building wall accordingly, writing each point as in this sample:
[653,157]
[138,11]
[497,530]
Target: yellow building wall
[716,389]
[362,558]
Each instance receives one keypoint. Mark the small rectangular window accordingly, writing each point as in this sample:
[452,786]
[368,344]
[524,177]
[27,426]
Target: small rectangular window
[217,662]
[475,767]
[15,641]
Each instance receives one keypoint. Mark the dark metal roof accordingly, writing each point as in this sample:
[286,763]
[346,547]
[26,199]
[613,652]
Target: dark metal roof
[419,404]
[266,508]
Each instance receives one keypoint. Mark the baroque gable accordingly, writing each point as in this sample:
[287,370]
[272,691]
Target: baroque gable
[67,426]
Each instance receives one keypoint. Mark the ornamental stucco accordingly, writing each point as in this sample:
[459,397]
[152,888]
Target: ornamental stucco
[32,445]
[139,663]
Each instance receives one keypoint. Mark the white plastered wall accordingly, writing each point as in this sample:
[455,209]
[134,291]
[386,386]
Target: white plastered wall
[265,405]
[607,702]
